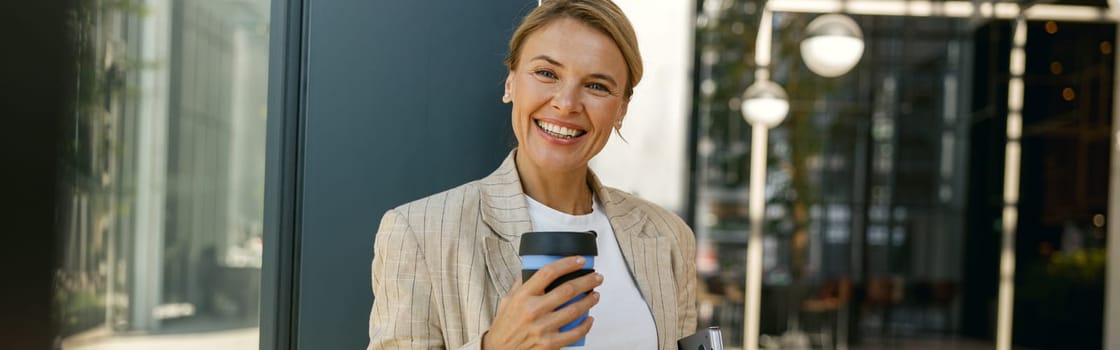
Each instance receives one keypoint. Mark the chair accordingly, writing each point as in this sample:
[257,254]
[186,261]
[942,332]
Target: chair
[942,296]
[882,294]
[830,299]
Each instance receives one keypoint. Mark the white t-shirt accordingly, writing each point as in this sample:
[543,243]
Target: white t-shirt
[623,320]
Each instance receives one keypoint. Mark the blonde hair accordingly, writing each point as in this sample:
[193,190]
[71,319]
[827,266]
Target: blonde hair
[602,15]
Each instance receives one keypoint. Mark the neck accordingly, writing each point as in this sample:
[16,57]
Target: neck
[566,191]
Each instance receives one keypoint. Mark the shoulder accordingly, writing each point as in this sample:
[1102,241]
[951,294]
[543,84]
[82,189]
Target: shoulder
[653,212]
[659,222]
[433,215]
[438,202]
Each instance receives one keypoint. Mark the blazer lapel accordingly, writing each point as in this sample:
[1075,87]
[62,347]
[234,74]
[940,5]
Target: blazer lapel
[502,263]
[505,211]
[644,251]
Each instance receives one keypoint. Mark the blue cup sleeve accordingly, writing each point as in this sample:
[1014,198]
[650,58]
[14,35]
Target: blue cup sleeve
[536,262]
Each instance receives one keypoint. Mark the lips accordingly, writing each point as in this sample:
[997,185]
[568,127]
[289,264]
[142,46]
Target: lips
[558,131]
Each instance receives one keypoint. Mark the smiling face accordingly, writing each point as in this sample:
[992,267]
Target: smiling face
[567,92]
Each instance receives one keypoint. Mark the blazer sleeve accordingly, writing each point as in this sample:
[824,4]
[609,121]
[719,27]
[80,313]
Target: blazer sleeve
[404,313]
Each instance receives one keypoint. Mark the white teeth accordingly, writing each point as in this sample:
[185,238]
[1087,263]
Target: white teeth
[557,130]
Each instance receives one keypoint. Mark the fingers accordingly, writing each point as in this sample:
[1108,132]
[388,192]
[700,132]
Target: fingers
[564,292]
[571,312]
[572,335]
[528,315]
[543,331]
[550,272]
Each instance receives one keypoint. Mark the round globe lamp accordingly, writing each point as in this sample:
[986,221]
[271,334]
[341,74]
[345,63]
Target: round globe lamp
[765,104]
[832,46]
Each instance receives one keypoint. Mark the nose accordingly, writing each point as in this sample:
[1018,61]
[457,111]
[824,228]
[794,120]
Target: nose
[566,98]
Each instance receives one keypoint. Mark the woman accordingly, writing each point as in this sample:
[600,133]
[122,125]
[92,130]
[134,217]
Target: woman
[446,273]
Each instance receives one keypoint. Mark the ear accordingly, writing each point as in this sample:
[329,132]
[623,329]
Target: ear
[507,97]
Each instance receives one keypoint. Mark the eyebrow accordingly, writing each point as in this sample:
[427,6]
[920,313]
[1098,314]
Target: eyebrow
[561,65]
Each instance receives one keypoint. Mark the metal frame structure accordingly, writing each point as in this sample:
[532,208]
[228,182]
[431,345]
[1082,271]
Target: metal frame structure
[287,98]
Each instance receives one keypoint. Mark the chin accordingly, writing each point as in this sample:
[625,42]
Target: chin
[556,160]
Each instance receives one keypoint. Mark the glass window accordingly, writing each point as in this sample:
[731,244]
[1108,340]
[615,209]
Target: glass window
[885,185]
[854,233]
[163,179]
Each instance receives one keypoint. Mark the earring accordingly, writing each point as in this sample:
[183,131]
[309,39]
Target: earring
[618,131]
[506,99]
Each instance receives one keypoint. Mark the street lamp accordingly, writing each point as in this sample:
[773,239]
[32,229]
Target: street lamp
[833,46]
[765,105]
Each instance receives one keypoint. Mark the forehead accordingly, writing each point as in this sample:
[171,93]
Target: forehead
[571,42]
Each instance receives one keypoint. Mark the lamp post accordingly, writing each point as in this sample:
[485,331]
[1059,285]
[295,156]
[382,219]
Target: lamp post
[765,105]
[833,48]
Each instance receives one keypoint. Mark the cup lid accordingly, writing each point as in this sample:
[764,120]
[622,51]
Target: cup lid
[559,243]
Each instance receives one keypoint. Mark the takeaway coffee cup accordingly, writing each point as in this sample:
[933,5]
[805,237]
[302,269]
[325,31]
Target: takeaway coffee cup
[540,248]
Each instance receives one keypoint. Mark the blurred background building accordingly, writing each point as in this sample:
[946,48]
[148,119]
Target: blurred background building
[884,189]
[885,184]
[162,184]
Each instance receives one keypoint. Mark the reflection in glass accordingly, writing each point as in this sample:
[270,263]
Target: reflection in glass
[891,178]
[164,173]
[855,233]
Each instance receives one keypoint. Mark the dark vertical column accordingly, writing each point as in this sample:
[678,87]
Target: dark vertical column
[37,73]
[285,101]
[987,136]
[695,131]
[379,103]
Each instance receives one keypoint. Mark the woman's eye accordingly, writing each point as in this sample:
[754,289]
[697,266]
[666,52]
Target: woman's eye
[546,74]
[599,87]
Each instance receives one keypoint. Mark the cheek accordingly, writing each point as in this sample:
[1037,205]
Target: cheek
[607,114]
[520,119]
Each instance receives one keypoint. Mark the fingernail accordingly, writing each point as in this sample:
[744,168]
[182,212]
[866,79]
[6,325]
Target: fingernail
[579,260]
[598,277]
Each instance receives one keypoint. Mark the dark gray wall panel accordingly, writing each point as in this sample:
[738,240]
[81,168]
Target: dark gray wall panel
[403,100]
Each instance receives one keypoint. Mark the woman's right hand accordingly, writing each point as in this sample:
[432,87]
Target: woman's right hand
[528,317]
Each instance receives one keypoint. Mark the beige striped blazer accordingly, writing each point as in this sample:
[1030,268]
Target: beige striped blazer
[441,263]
